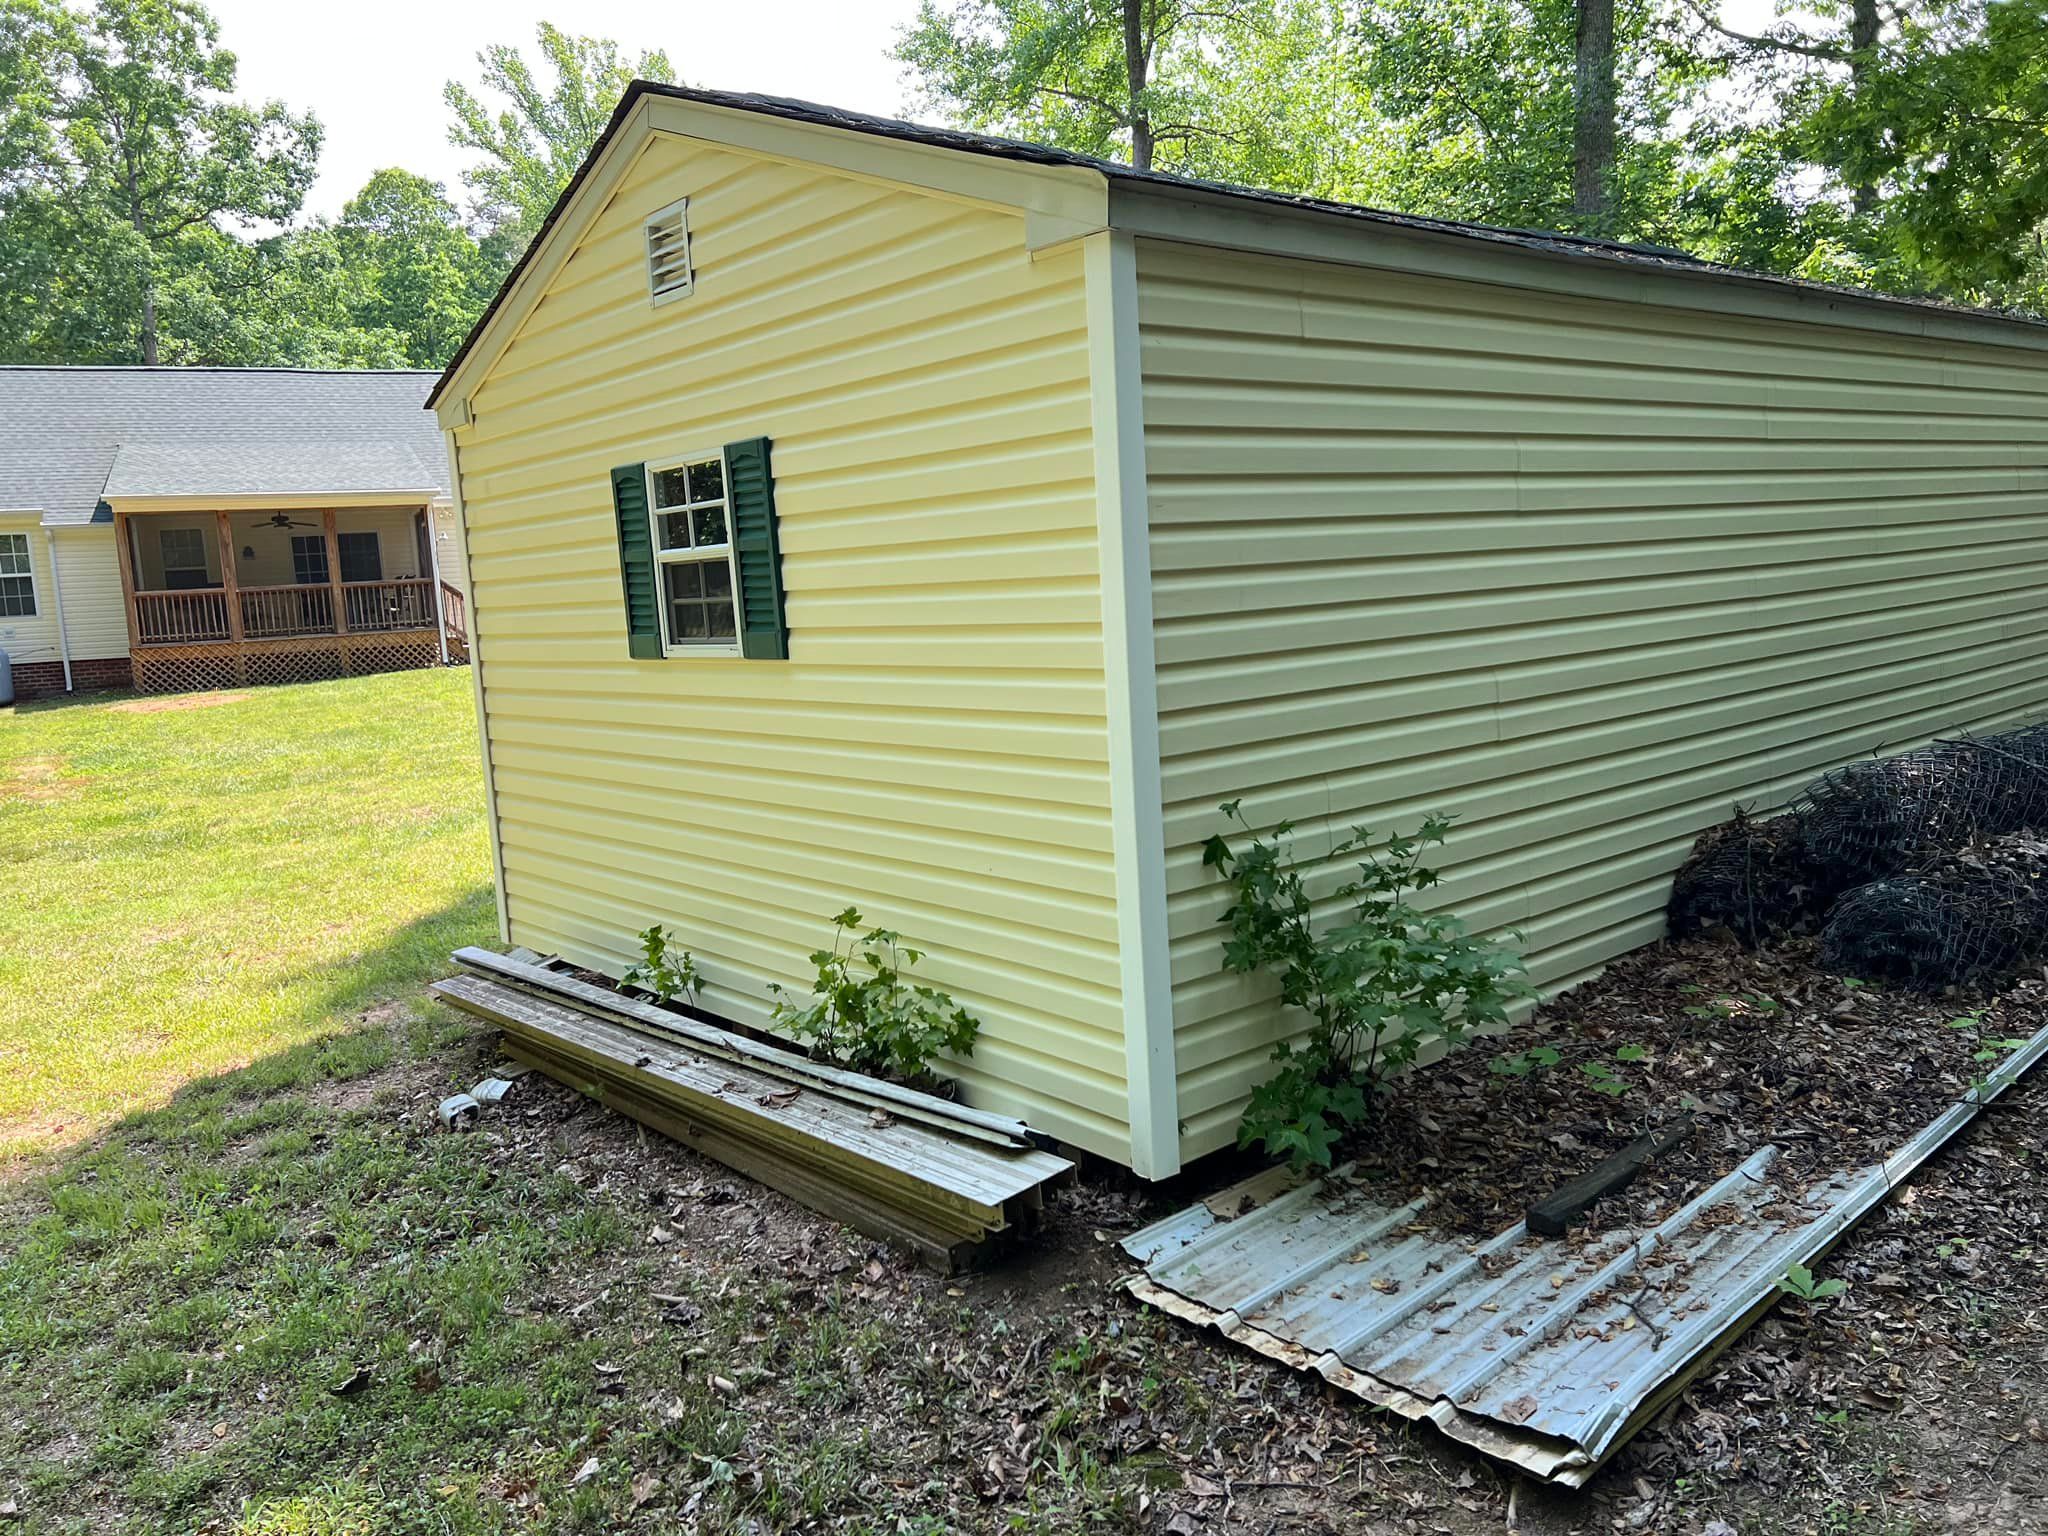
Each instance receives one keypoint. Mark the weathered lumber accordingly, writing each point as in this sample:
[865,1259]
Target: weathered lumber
[907,1103]
[1560,1208]
[948,1196]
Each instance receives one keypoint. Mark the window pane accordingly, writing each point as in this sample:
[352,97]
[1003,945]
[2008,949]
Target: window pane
[685,580]
[707,480]
[718,580]
[670,487]
[17,597]
[675,530]
[13,554]
[721,626]
[710,525]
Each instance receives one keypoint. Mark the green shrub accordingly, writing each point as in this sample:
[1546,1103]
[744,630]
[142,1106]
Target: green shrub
[866,1014]
[1375,987]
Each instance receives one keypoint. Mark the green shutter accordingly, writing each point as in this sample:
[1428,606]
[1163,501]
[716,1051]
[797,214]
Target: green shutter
[763,635]
[636,560]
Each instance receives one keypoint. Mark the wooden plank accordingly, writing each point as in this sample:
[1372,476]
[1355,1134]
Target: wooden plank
[916,1164]
[898,1100]
[947,1252]
[1559,1209]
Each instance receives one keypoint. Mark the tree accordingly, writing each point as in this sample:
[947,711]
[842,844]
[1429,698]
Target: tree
[1132,79]
[533,145]
[421,275]
[144,151]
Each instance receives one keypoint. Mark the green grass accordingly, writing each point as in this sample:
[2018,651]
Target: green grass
[192,889]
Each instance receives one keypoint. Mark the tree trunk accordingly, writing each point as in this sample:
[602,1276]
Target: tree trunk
[1863,30]
[1137,65]
[1593,116]
[148,270]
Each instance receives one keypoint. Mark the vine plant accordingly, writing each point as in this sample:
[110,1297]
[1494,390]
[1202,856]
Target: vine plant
[866,1013]
[1377,983]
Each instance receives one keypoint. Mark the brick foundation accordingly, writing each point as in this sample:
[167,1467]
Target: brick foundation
[41,679]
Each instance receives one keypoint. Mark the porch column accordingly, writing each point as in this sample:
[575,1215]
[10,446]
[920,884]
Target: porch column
[231,593]
[124,542]
[334,592]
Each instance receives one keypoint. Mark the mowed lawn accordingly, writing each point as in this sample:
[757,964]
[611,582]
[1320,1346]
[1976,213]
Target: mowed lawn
[193,882]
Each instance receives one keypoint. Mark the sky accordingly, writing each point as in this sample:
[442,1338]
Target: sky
[372,70]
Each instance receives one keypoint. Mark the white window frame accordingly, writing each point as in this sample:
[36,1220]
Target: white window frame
[679,209]
[35,591]
[696,554]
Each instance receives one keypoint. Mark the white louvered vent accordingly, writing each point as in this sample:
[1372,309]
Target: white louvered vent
[668,252]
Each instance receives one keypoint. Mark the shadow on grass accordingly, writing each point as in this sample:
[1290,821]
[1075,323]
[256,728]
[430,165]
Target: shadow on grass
[350,1039]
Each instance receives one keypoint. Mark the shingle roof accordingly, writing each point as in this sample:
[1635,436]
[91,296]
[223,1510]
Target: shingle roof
[194,431]
[1532,241]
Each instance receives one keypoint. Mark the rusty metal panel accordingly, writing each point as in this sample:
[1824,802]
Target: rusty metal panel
[1544,1352]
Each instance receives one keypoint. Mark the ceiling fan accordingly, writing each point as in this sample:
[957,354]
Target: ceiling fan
[285,520]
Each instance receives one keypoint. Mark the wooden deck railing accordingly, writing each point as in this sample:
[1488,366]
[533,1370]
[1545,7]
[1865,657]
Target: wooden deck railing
[454,618]
[384,605]
[178,618]
[271,612]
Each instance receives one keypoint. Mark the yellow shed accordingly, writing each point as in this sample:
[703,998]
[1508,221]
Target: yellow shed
[864,513]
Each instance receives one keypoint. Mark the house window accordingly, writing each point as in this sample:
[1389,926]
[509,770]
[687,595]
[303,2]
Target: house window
[309,560]
[184,551]
[17,578]
[693,553]
[668,252]
[360,560]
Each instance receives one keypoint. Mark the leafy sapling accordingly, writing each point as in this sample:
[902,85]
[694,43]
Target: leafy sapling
[865,1013]
[1798,1281]
[1377,984]
[664,968]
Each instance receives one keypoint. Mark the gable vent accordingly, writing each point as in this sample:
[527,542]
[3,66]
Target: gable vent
[668,252]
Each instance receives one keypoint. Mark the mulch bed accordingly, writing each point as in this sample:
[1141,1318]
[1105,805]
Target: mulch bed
[1761,1047]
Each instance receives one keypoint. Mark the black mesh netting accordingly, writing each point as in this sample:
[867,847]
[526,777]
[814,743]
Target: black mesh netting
[1869,820]
[1751,876]
[1957,917]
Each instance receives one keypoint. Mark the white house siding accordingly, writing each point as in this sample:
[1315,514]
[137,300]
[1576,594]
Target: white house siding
[1584,574]
[935,748]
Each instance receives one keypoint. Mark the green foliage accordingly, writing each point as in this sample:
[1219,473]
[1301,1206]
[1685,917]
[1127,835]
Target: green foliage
[664,968]
[865,1011]
[1522,1063]
[1603,1078]
[1798,1281]
[1376,984]
[533,143]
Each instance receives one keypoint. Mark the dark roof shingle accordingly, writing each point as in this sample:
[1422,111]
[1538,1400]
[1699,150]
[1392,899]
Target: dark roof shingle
[193,431]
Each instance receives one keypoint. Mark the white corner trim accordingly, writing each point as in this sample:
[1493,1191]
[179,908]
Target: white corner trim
[1137,816]
[476,678]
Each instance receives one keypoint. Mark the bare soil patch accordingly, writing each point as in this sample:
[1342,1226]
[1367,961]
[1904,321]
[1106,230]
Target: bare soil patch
[41,777]
[158,706]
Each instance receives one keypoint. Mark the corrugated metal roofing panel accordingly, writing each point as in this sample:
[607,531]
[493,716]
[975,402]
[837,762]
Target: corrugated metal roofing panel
[1545,1352]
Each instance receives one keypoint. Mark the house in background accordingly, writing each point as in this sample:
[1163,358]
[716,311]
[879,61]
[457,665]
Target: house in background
[174,528]
[862,513]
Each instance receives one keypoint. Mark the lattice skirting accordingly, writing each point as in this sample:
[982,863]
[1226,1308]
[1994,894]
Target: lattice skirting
[196,668]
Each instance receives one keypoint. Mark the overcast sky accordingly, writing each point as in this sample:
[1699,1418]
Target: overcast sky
[372,70]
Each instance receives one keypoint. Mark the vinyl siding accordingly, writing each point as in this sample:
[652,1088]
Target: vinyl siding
[31,638]
[95,614]
[935,749]
[1584,574]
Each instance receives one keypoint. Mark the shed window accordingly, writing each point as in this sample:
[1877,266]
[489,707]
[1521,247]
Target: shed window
[668,252]
[693,552]
[17,578]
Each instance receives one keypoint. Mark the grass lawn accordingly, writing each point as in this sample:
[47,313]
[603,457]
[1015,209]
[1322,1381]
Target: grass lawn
[249,1286]
[189,889]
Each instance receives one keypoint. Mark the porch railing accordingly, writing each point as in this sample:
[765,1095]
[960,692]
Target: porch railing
[175,618]
[270,612]
[407,603]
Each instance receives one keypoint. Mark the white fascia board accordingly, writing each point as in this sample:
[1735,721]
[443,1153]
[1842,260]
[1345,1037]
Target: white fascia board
[1190,215]
[1137,814]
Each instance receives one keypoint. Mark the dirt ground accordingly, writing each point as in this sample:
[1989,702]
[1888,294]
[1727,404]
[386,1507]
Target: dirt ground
[1913,1400]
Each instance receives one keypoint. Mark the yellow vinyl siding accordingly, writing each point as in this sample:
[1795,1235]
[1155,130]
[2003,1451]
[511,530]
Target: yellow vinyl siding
[31,639]
[935,749]
[1583,573]
[95,613]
